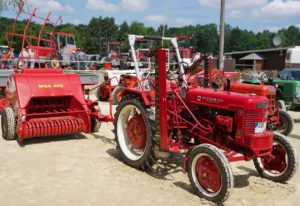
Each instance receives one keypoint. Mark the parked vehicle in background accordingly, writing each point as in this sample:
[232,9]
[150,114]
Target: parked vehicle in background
[292,58]
[288,87]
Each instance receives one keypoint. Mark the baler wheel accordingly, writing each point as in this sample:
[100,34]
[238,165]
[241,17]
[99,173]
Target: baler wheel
[95,125]
[116,98]
[134,133]
[282,165]
[210,173]
[286,123]
[102,93]
[8,124]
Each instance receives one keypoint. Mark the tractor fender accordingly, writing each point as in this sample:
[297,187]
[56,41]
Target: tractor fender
[138,93]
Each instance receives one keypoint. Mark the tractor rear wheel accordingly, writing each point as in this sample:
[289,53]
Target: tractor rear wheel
[116,98]
[8,124]
[282,164]
[210,173]
[134,133]
[102,93]
[286,123]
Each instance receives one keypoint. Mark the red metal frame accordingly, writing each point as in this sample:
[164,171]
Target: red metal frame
[27,39]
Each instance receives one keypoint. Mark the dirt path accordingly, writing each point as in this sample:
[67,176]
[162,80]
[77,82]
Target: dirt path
[86,170]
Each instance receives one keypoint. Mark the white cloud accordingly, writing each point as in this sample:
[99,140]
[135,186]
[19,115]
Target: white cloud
[236,14]
[184,21]
[156,18]
[135,5]
[209,3]
[46,5]
[101,5]
[278,9]
[233,4]
[69,9]
[264,10]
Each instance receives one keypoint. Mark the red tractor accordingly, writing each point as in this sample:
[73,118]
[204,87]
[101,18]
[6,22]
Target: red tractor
[278,120]
[210,127]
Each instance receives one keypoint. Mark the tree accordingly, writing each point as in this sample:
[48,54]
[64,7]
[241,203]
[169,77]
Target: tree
[10,3]
[206,39]
[137,28]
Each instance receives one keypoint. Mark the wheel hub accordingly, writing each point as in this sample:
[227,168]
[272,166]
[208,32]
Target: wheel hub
[276,163]
[208,174]
[136,131]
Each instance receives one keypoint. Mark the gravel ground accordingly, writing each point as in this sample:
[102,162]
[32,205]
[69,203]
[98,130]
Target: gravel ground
[86,169]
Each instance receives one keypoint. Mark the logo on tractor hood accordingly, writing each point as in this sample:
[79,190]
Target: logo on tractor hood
[209,99]
[262,105]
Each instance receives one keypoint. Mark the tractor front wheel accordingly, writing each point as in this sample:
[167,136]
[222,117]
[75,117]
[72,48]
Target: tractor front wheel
[286,123]
[134,133]
[210,173]
[116,97]
[282,164]
[8,124]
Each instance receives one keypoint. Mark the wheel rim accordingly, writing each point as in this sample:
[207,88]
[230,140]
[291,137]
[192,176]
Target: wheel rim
[136,131]
[277,164]
[132,132]
[206,175]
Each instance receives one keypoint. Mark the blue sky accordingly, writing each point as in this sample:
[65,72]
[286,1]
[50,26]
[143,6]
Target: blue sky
[255,15]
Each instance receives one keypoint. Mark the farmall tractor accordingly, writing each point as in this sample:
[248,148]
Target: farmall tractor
[46,102]
[278,120]
[209,127]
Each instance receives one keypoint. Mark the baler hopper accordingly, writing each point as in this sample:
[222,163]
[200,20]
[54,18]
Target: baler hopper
[47,102]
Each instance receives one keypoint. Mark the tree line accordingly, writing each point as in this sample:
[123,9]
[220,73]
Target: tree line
[93,37]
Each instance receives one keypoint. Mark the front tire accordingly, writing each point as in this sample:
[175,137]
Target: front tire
[282,165]
[8,124]
[134,133]
[281,105]
[210,173]
[286,123]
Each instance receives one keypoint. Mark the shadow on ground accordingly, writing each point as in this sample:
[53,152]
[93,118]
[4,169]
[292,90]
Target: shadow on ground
[162,169]
[104,139]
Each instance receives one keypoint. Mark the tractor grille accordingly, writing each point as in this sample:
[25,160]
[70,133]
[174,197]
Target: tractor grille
[250,117]
[271,108]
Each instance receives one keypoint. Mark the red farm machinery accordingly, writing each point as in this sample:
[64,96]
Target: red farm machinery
[278,120]
[46,101]
[209,127]
[52,49]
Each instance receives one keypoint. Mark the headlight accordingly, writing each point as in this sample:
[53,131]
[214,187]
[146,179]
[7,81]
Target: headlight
[298,91]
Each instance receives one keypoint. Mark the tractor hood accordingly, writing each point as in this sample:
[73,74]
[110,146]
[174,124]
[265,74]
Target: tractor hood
[261,90]
[224,99]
